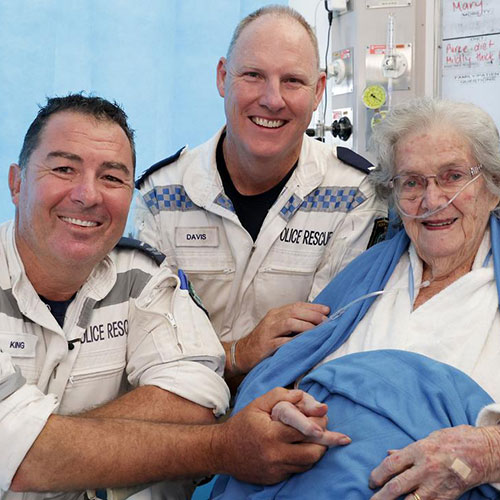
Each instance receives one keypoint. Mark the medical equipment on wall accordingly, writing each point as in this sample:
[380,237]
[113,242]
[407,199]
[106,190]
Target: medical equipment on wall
[387,66]
[394,64]
[388,69]
[340,73]
[374,96]
[336,7]
[341,127]
[368,69]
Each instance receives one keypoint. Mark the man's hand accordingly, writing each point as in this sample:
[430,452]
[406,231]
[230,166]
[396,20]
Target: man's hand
[275,329]
[254,448]
[444,465]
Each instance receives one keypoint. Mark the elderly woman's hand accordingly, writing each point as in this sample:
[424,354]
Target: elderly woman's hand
[309,417]
[442,466]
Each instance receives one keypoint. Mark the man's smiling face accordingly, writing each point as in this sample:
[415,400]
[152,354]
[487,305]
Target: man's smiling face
[73,198]
[271,86]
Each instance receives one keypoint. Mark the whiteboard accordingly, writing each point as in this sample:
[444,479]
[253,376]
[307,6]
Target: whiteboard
[465,18]
[470,53]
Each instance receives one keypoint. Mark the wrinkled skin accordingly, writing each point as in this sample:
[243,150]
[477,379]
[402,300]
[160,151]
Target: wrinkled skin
[426,466]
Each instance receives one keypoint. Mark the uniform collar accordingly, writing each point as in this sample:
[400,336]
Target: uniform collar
[203,184]
[97,286]
[313,162]
[201,178]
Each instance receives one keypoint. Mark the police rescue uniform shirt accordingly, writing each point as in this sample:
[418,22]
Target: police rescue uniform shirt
[136,327]
[250,209]
[320,221]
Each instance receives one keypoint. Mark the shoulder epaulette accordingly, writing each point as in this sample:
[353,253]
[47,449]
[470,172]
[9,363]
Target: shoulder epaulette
[353,159]
[156,166]
[146,249]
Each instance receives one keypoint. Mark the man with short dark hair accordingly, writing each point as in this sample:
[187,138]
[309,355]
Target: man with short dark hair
[106,361]
[261,217]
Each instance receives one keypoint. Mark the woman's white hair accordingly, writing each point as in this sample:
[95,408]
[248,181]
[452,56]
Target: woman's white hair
[421,114]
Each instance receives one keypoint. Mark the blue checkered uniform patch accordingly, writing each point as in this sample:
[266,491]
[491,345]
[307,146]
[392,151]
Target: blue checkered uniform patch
[324,199]
[172,197]
[224,202]
[290,207]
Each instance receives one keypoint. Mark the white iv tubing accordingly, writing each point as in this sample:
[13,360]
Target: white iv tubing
[343,309]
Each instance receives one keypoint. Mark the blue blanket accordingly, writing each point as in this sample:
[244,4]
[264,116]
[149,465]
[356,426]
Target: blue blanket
[368,273]
[379,411]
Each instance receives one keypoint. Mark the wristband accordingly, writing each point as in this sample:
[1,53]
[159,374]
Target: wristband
[232,357]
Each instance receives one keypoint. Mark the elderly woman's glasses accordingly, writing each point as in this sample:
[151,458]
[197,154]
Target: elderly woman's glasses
[410,188]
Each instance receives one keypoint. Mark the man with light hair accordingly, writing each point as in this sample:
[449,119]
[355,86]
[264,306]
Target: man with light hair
[261,216]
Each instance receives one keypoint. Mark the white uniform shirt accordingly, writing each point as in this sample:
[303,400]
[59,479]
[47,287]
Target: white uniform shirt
[459,326]
[322,220]
[135,326]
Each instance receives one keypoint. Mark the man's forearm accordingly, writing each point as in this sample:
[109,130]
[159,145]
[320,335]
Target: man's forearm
[154,405]
[146,403]
[73,453]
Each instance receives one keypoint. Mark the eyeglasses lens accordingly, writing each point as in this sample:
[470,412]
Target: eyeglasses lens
[410,187]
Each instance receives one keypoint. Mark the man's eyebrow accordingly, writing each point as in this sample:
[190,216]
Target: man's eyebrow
[64,154]
[116,165]
[299,75]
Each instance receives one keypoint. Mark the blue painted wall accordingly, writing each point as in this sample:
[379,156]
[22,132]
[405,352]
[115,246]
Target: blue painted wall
[155,57]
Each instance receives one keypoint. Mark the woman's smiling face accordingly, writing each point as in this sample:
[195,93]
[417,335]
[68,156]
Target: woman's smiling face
[453,234]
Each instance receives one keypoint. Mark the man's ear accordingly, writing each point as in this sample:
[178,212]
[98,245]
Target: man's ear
[15,179]
[221,76]
[320,88]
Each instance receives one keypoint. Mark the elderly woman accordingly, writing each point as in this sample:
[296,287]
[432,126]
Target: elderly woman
[413,341]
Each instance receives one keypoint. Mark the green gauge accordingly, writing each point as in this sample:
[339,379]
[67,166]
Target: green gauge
[374,96]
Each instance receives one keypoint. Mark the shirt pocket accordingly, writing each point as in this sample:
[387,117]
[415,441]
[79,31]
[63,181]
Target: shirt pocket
[205,262]
[98,376]
[211,275]
[285,277]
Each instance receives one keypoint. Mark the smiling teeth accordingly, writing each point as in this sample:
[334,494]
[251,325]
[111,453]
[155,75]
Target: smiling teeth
[439,224]
[78,222]
[267,123]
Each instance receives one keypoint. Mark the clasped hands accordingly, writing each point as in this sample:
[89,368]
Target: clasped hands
[309,417]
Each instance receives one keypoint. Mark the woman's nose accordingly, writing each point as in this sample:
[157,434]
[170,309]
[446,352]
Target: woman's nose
[433,194]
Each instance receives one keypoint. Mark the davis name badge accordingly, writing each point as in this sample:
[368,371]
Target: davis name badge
[196,237]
